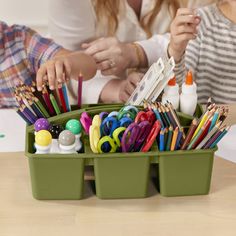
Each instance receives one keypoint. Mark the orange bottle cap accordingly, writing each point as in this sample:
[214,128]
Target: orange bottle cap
[172,82]
[189,78]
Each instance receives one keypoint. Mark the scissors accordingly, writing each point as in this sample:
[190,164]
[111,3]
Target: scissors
[148,116]
[109,144]
[94,133]
[109,124]
[103,115]
[135,135]
[86,121]
[125,122]
[152,136]
[130,108]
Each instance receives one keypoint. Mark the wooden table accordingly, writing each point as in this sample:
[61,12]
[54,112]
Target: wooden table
[21,215]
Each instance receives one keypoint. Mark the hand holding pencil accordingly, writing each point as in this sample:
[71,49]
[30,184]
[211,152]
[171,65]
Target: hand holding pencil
[64,66]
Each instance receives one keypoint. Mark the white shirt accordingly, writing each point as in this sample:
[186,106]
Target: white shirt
[72,22]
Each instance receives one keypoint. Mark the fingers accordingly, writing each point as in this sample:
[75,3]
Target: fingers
[124,96]
[59,71]
[39,78]
[187,19]
[135,78]
[185,11]
[67,68]
[102,56]
[51,73]
[96,46]
[104,65]
[54,73]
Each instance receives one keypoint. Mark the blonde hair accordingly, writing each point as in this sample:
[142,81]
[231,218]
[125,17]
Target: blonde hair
[107,12]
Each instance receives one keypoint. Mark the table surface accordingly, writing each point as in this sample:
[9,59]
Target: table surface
[20,214]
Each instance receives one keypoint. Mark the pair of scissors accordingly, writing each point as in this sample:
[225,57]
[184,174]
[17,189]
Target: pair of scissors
[110,123]
[146,116]
[152,136]
[94,133]
[86,121]
[108,144]
[135,135]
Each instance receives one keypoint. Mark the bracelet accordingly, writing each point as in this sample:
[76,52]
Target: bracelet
[138,53]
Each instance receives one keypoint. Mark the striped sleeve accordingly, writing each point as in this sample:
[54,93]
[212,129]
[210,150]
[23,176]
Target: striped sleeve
[38,49]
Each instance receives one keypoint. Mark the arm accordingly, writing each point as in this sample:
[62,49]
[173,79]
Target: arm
[184,29]
[53,63]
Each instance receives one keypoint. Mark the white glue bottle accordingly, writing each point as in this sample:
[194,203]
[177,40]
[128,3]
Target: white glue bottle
[188,97]
[171,93]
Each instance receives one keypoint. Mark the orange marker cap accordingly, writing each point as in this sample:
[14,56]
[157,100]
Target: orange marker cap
[189,78]
[172,82]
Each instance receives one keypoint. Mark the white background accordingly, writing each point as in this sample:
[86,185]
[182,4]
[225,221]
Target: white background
[28,12]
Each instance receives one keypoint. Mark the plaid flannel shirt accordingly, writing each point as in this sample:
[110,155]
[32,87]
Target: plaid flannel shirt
[22,51]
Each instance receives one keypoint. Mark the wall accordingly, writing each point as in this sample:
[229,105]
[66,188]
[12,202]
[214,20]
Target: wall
[28,12]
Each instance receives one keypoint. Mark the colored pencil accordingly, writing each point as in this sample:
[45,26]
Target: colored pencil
[220,137]
[214,119]
[36,110]
[22,110]
[179,138]
[66,97]
[208,136]
[213,138]
[169,139]
[41,107]
[80,84]
[190,133]
[202,122]
[157,114]
[174,139]
[162,140]
[21,114]
[48,102]
[62,99]
[200,135]
[54,103]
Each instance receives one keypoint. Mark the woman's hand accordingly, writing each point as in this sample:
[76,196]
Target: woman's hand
[183,28]
[112,56]
[129,85]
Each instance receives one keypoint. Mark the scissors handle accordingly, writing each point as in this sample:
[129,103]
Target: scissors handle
[108,125]
[129,137]
[145,128]
[152,136]
[86,121]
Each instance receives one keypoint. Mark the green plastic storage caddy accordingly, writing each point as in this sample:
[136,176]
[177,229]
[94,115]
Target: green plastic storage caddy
[117,175]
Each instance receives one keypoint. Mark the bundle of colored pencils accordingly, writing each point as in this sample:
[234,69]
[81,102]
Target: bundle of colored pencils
[172,133]
[34,105]
[203,133]
[206,132]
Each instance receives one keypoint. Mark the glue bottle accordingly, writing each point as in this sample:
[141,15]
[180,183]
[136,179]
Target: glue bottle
[171,93]
[188,97]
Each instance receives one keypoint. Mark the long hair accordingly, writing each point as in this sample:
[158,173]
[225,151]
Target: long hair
[108,10]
